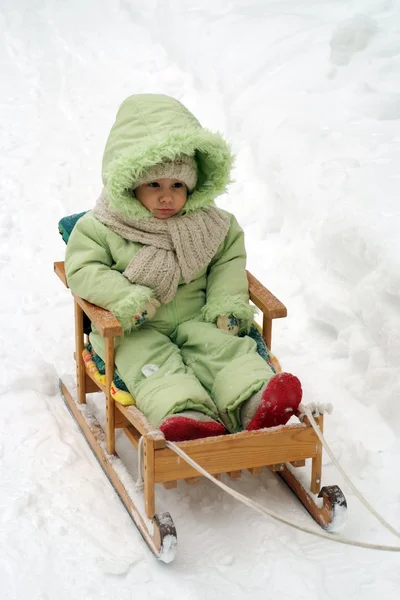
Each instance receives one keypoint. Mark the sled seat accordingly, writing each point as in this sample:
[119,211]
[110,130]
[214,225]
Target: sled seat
[280,449]
[230,454]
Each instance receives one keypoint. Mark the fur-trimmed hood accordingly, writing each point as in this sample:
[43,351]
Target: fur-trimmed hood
[150,128]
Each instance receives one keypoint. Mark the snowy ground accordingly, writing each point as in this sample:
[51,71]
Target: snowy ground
[308,92]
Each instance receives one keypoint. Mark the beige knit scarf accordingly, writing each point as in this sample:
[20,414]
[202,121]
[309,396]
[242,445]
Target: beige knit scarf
[174,249]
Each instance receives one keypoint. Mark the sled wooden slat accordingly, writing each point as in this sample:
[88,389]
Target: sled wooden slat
[120,421]
[234,474]
[80,365]
[265,300]
[91,385]
[148,461]
[255,471]
[298,463]
[237,451]
[316,465]
[131,433]
[170,485]
[104,321]
[139,422]
[267,331]
[192,480]
[110,402]
[59,270]
[277,467]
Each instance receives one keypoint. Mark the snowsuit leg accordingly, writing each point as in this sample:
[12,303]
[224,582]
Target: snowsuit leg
[229,367]
[171,387]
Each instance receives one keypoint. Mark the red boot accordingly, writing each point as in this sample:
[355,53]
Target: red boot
[278,400]
[190,425]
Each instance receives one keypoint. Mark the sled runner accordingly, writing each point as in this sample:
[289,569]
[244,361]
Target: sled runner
[279,449]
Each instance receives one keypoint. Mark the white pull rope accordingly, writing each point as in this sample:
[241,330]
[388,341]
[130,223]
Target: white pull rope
[361,498]
[263,510]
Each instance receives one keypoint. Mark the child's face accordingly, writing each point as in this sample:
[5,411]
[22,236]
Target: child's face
[163,197]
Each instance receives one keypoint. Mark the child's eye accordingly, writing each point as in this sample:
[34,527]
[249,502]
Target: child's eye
[154,184]
[178,184]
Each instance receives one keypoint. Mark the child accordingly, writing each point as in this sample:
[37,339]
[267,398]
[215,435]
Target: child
[159,255]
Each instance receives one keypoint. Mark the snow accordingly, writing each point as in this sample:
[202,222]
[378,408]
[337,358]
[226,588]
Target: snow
[308,93]
[339,521]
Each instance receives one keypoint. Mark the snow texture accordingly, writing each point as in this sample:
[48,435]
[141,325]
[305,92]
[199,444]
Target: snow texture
[308,93]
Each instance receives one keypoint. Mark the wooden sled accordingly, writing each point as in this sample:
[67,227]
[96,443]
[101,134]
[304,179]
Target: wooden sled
[281,450]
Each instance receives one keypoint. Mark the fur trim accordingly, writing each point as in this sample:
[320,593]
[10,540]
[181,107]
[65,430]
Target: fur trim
[227,306]
[214,162]
[131,305]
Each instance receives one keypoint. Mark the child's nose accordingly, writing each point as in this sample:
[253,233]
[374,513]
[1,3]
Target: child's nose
[166,198]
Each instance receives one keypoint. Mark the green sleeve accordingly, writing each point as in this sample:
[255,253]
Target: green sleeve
[88,266]
[227,285]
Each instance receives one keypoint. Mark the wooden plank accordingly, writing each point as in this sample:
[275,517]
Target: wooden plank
[255,471]
[234,474]
[139,421]
[277,467]
[192,480]
[298,463]
[267,331]
[91,385]
[131,433]
[100,386]
[264,299]
[238,451]
[148,461]
[59,269]
[316,464]
[80,365]
[120,421]
[105,322]
[110,402]
[170,485]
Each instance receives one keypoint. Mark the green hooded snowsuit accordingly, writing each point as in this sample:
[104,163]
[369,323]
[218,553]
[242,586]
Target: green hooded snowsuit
[179,360]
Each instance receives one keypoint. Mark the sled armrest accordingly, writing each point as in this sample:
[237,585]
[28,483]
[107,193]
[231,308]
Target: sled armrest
[104,321]
[106,324]
[269,304]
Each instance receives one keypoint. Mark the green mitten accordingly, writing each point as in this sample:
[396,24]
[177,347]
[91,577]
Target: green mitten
[229,324]
[146,313]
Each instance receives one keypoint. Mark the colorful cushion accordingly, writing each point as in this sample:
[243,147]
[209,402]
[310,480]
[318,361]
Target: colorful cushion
[95,365]
[66,225]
